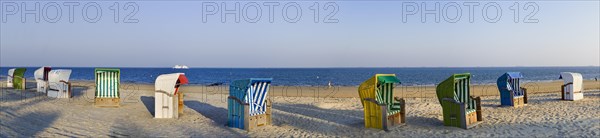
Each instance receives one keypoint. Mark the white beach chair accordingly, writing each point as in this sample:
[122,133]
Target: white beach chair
[41,78]
[168,102]
[9,78]
[59,85]
[572,89]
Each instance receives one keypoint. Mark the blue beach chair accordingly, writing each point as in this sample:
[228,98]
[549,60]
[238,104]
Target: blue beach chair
[248,105]
[511,92]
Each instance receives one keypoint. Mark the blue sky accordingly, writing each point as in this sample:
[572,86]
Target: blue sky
[367,34]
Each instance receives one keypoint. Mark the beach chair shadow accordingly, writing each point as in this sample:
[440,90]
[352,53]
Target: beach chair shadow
[217,114]
[79,91]
[40,122]
[348,118]
[148,101]
[427,122]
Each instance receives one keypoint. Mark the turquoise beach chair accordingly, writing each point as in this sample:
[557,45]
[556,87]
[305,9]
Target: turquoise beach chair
[107,87]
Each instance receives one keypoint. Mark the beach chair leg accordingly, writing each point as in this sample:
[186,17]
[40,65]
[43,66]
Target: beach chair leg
[268,113]
[524,95]
[403,111]
[478,109]
[384,119]
[248,120]
[180,104]
[562,93]
[463,116]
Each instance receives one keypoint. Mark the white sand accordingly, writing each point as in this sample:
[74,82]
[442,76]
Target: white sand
[205,116]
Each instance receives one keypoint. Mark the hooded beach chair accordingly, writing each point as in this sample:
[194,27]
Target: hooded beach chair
[18,78]
[382,110]
[168,101]
[572,89]
[9,78]
[511,92]
[107,87]
[58,84]
[459,108]
[41,78]
[248,105]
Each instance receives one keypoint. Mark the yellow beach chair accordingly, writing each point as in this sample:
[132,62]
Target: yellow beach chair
[382,110]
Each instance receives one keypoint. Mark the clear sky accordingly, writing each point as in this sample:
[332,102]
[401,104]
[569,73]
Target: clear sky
[367,34]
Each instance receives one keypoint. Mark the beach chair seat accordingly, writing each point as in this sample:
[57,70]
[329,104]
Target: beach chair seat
[511,92]
[41,79]
[18,79]
[381,109]
[168,100]
[572,89]
[248,104]
[58,84]
[107,87]
[458,107]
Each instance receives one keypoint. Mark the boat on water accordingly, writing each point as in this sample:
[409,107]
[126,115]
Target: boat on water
[180,67]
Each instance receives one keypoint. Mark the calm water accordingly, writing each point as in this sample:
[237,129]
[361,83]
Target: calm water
[321,76]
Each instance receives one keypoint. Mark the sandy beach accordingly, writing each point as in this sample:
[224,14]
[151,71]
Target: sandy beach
[316,112]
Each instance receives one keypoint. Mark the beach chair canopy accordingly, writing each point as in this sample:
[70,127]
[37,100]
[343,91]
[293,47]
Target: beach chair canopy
[457,87]
[107,82]
[9,78]
[384,92]
[253,91]
[42,73]
[510,82]
[170,83]
[59,85]
[18,78]
[56,76]
[379,87]
[11,72]
[575,78]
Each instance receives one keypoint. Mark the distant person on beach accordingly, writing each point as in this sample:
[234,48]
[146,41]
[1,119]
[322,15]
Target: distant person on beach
[329,84]
[596,78]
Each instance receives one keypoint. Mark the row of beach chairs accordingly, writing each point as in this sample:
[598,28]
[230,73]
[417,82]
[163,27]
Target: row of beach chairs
[249,106]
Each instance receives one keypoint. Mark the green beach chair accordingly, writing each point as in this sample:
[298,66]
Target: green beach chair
[107,87]
[459,108]
[17,77]
[381,109]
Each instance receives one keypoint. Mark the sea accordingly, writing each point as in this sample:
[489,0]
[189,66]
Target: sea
[328,76]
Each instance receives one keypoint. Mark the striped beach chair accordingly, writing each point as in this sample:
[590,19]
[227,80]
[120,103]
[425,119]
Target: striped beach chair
[59,85]
[168,100]
[18,78]
[248,105]
[381,109]
[459,108]
[41,79]
[511,92]
[107,87]
[572,89]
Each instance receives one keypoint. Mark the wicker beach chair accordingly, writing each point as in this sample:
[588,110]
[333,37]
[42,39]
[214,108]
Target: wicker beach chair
[382,110]
[18,78]
[107,87]
[459,109]
[248,103]
[572,89]
[58,84]
[168,100]
[511,92]
[41,79]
